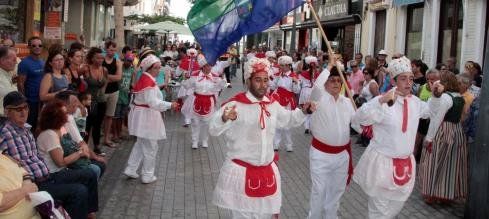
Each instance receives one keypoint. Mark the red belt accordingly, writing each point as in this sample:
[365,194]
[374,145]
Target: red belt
[260,181]
[336,150]
[142,105]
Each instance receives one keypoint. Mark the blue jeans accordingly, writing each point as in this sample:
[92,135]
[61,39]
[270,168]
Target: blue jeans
[77,190]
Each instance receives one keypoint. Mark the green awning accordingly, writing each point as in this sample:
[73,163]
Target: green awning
[168,27]
[398,3]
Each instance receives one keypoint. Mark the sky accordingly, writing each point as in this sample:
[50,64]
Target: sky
[180,8]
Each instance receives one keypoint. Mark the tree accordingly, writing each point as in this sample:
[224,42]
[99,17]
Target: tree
[119,22]
[151,19]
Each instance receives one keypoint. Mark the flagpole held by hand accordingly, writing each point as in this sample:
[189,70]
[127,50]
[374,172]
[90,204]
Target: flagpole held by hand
[330,51]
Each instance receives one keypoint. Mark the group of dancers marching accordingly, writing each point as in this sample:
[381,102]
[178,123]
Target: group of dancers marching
[254,122]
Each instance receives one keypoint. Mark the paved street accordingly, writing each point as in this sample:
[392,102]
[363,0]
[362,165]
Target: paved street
[186,179]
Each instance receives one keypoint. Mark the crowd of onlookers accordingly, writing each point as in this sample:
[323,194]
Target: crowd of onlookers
[53,106]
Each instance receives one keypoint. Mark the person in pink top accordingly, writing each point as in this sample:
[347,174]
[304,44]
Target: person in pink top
[356,78]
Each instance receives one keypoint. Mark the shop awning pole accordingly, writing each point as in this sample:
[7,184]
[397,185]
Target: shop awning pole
[330,51]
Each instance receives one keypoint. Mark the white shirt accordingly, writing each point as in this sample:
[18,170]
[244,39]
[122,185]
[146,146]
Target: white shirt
[47,141]
[205,85]
[6,86]
[446,102]
[330,123]
[245,138]
[287,83]
[365,92]
[388,138]
[72,129]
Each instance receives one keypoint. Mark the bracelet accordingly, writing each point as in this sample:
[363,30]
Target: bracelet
[26,177]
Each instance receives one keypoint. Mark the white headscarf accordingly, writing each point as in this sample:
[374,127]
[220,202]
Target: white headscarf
[148,62]
[399,66]
[254,64]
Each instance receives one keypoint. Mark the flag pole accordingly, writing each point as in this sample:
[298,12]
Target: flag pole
[330,51]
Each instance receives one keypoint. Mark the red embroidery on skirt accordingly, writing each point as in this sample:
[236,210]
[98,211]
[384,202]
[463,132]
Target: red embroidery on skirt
[403,170]
[260,181]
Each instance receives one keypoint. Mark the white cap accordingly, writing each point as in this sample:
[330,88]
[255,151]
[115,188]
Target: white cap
[149,61]
[270,54]
[192,52]
[399,66]
[382,52]
[256,64]
[201,60]
[285,60]
[311,59]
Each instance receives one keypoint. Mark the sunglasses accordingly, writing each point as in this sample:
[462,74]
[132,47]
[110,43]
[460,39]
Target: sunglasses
[38,46]
[19,109]
[354,66]
[335,80]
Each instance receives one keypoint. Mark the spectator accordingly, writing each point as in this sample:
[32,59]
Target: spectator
[54,81]
[114,75]
[356,78]
[451,63]
[383,76]
[15,186]
[7,65]
[370,88]
[464,84]
[31,72]
[168,52]
[73,140]
[81,114]
[96,78]
[63,186]
[11,44]
[441,67]
[475,72]
[122,108]
[443,166]
[52,120]
[419,77]
[72,71]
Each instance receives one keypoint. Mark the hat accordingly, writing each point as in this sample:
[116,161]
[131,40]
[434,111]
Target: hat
[149,61]
[285,60]
[146,51]
[14,99]
[382,52]
[311,59]
[256,65]
[399,66]
[201,60]
[192,52]
[270,54]
[129,57]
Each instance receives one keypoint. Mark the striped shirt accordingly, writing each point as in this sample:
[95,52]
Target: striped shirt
[20,144]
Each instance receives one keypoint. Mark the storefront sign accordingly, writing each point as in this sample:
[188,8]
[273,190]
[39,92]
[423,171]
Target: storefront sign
[331,9]
[53,33]
[71,36]
[52,29]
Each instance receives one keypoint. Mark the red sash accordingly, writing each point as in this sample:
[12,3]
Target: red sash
[203,103]
[142,105]
[336,150]
[285,97]
[403,170]
[260,181]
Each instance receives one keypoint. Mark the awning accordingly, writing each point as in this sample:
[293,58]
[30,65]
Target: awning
[398,3]
[342,21]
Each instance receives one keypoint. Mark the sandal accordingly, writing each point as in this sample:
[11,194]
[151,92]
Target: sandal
[99,152]
[110,144]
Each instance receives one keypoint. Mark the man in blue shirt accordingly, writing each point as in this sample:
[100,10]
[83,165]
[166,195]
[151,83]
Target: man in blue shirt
[31,71]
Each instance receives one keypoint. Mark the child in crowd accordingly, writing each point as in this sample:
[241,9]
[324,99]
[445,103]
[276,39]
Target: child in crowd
[82,113]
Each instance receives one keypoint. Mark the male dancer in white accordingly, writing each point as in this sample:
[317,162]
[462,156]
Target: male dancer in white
[330,153]
[285,87]
[249,180]
[307,79]
[387,168]
[145,121]
[205,87]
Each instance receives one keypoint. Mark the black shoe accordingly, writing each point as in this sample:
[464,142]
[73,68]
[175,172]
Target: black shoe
[307,131]
[99,152]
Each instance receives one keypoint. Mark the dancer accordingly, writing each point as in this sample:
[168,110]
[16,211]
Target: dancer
[205,87]
[387,168]
[188,67]
[307,79]
[145,121]
[249,180]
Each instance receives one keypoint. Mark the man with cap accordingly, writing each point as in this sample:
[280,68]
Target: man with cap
[330,152]
[205,87]
[145,121]
[8,61]
[188,67]
[387,168]
[383,75]
[249,182]
[286,86]
[17,141]
[307,79]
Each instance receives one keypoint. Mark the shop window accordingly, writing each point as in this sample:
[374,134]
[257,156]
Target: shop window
[450,34]
[12,19]
[414,31]
[379,39]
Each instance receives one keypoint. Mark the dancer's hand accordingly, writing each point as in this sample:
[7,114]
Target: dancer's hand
[175,106]
[428,145]
[229,114]
[309,107]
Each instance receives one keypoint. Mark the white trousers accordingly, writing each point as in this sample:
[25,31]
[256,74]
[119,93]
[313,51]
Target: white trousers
[307,122]
[200,130]
[380,208]
[278,137]
[329,173]
[144,150]
[249,215]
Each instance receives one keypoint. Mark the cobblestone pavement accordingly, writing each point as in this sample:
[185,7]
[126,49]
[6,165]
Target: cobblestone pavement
[186,179]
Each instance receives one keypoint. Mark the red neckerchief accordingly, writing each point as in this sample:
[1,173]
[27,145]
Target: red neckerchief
[145,81]
[205,77]
[242,98]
